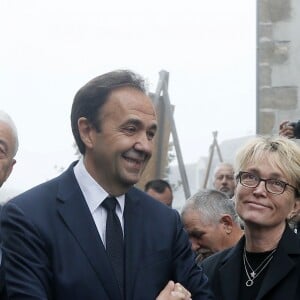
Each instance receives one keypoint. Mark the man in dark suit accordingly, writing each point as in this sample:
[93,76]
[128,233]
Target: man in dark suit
[57,236]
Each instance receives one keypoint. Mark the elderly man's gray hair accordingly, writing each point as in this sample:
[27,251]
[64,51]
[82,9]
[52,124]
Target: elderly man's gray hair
[212,204]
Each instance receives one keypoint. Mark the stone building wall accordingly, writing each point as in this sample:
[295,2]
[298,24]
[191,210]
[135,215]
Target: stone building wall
[278,63]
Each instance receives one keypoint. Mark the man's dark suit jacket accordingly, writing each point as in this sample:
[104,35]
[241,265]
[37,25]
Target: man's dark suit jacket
[282,280]
[53,249]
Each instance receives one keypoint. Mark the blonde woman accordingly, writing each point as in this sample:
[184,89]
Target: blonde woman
[265,264]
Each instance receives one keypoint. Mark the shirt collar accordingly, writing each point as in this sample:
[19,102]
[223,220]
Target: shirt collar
[93,192]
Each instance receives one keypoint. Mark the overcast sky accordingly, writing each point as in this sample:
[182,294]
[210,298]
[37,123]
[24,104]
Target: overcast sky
[50,48]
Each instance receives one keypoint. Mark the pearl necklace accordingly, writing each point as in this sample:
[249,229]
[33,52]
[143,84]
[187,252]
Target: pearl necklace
[255,273]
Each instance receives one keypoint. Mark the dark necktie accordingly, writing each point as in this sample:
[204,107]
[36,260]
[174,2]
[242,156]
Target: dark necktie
[114,240]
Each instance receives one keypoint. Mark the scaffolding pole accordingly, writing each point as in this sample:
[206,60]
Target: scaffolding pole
[211,150]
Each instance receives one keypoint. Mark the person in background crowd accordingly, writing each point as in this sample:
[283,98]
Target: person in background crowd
[223,178]
[9,144]
[211,222]
[89,233]
[160,190]
[265,263]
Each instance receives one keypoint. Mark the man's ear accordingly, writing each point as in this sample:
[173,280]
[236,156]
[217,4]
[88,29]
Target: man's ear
[85,131]
[227,223]
[10,168]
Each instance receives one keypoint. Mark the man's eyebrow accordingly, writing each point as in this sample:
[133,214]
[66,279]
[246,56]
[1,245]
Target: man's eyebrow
[133,121]
[138,122]
[196,232]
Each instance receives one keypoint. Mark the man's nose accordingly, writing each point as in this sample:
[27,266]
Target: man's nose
[195,244]
[144,144]
[224,179]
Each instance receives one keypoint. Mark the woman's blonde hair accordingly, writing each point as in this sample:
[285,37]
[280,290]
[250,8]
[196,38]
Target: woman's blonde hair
[279,151]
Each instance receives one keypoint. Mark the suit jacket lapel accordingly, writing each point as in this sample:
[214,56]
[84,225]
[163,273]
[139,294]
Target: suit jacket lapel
[132,223]
[281,264]
[73,209]
[230,271]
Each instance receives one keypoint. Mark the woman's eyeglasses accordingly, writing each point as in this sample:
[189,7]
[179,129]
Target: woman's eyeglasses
[273,186]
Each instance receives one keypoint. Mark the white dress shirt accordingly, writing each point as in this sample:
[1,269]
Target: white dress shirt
[94,195]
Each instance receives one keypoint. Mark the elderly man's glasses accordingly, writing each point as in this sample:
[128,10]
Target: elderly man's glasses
[273,186]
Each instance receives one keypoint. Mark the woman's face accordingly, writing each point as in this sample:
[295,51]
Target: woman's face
[259,207]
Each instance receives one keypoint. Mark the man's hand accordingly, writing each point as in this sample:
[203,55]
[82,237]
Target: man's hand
[174,291]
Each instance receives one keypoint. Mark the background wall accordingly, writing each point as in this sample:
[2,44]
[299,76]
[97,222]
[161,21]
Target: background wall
[278,63]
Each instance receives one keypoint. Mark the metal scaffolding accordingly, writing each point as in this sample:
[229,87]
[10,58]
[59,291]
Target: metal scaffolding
[161,99]
[211,154]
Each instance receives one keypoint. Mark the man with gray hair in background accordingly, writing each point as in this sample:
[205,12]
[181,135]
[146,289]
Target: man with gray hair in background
[223,178]
[211,222]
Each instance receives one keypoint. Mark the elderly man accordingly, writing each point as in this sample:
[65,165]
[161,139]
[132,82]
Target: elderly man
[223,178]
[211,222]
[8,150]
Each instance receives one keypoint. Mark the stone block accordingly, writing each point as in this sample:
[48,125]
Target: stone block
[264,75]
[282,98]
[281,52]
[277,52]
[274,10]
[266,122]
[280,10]
[265,51]
[265,30]
[263,8]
